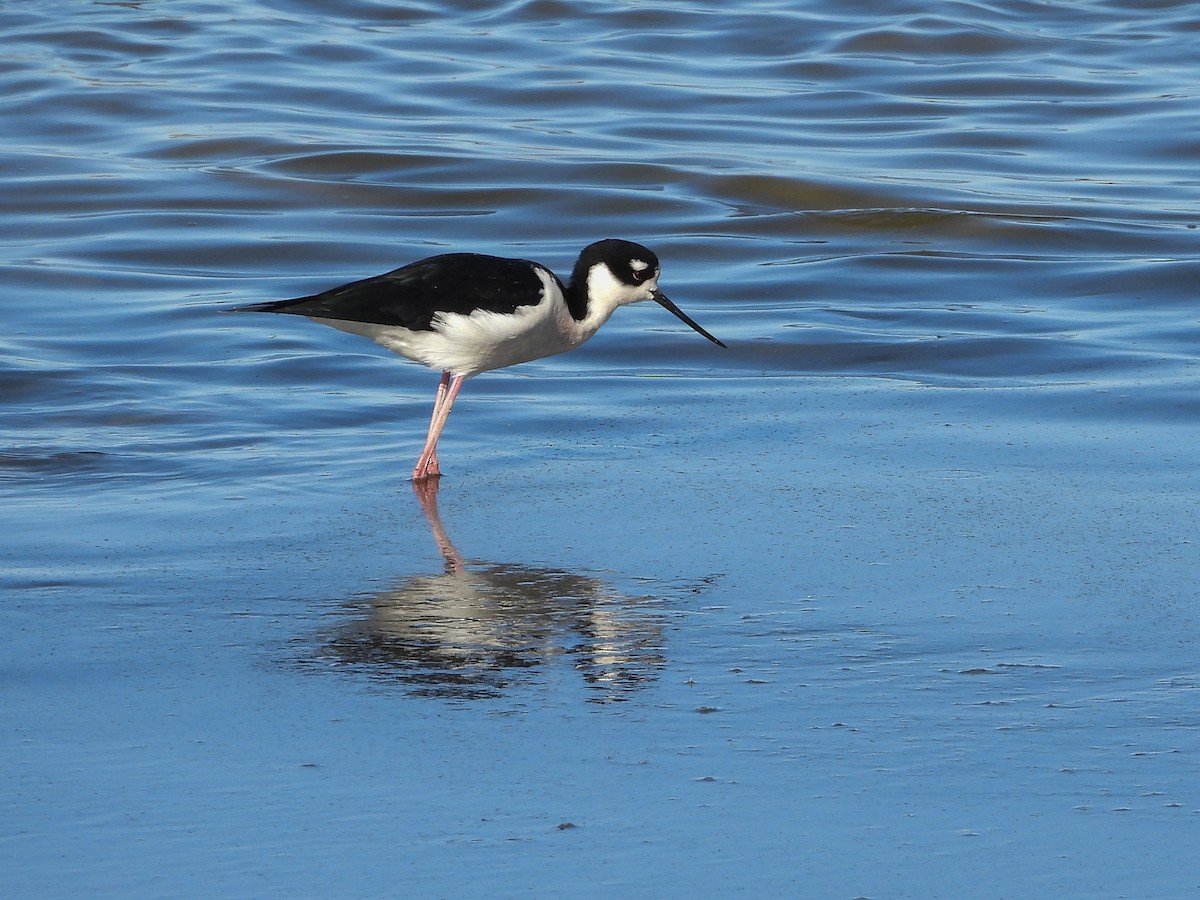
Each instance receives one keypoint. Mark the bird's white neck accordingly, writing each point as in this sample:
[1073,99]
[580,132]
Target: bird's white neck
[605,294]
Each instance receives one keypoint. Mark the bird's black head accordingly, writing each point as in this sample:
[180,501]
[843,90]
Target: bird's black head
[630,263]
[612,273]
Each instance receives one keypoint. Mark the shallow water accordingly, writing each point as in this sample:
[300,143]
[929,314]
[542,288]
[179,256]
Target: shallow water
[894,597]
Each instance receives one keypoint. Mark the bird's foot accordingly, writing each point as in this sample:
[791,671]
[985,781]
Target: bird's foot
[426,470]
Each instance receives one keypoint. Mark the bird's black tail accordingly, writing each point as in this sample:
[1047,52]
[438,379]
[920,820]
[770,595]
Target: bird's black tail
[275,306]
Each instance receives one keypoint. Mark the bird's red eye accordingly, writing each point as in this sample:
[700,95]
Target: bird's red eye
[641,271]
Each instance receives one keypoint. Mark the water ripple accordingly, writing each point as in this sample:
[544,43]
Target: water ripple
[983,193]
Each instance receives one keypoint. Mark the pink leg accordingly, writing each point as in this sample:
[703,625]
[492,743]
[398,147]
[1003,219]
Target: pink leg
[438,400]
[427,464]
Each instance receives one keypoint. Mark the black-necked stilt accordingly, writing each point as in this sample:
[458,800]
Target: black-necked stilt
[466,313]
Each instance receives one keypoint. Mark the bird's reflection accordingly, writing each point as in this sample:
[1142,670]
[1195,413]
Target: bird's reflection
[478,628]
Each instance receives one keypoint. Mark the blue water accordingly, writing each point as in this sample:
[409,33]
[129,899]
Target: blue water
[894,597]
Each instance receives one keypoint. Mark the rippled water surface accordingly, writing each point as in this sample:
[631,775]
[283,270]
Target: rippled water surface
[894,597]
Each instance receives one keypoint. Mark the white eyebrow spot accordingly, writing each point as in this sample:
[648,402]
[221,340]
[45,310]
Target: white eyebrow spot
[639,265]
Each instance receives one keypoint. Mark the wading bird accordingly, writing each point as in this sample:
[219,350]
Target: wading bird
[466,313]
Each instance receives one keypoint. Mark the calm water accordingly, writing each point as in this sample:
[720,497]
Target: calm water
[894,597]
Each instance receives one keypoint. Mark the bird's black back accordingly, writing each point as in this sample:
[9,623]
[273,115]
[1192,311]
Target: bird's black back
[410,296]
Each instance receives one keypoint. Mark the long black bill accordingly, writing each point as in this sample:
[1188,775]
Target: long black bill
[662,299]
